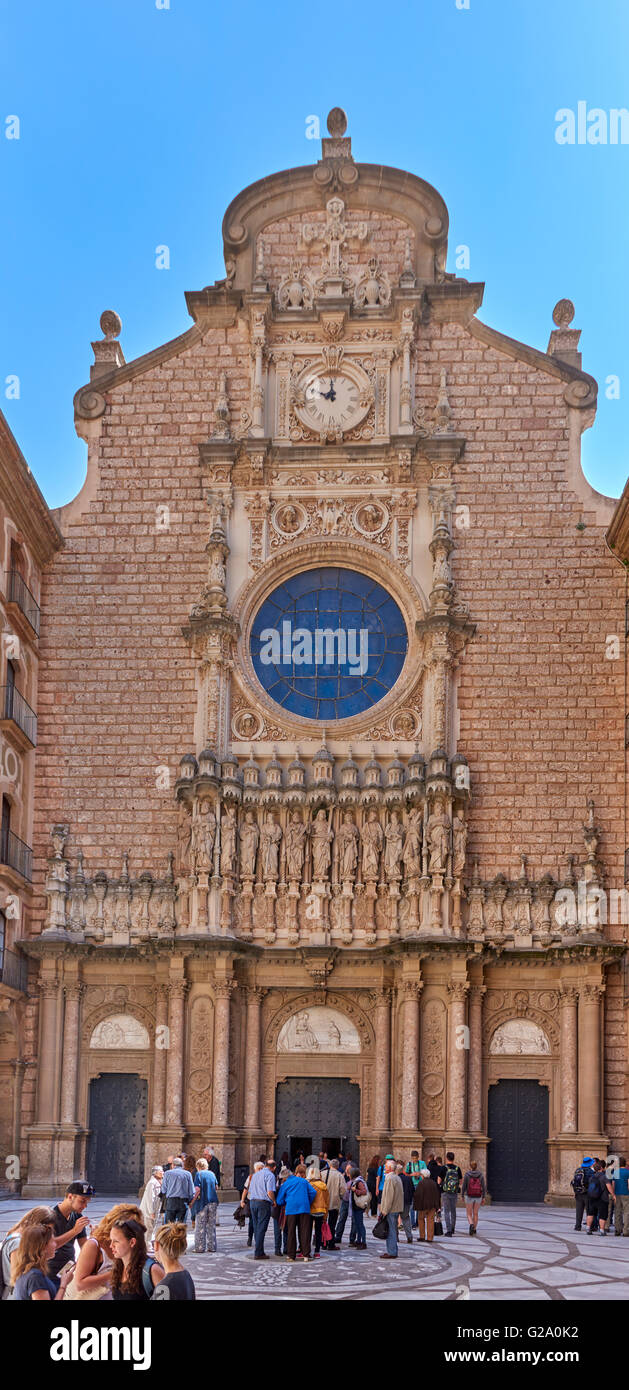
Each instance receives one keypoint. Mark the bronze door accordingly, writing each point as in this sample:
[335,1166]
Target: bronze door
[117,1121]
[315,1108]
[517,1163]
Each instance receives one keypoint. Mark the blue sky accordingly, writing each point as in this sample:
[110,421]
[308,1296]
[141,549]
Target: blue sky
[138,125]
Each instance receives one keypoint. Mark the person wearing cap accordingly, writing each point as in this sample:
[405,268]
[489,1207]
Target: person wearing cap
[69,1224]
[579,1184]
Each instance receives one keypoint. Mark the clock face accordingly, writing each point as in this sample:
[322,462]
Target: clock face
[332,403]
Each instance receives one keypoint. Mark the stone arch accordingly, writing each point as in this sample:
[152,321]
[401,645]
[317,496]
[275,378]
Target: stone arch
[519,1037]
[311,999]
[113,1026]
[508,1014]
[112,1007]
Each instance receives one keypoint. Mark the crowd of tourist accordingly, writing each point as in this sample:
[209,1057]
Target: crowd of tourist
[134,1252]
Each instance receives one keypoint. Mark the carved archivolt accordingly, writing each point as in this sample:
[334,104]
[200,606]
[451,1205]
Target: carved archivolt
[314,999]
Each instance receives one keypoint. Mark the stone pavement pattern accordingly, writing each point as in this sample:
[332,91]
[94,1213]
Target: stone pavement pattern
[527,1253]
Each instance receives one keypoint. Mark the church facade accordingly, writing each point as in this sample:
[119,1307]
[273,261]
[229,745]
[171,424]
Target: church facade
[329,847]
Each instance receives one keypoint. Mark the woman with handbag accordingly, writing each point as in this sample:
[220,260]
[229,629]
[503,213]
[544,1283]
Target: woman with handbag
[319,1207]
[92,1274]
[359,1200]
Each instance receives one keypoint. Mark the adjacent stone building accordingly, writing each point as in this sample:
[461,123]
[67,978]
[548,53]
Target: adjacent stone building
[329,814]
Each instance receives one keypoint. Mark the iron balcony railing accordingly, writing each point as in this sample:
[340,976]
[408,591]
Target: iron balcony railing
[16,708]
[13,970]
[18,592]
[16,855]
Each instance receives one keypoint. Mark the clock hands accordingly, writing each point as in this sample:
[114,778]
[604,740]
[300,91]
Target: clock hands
[329,395]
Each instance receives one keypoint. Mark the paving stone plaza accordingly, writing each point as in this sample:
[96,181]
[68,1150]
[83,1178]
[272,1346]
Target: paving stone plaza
[523,1253]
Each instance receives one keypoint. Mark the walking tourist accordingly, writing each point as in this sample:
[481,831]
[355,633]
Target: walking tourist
[372,1183]
[474,1191]
[261,1196]
[92,1272]
[37,1216]
[416,1168]
[579,1185]
[151,1204]
[408,1189]
[69,1224]
[337,1189]
[391,1204]
[620,1185]
[277,1212]
[426,1201]
[33,1281]
[450,1188]
[297,1196]
[178,1189]
[598,1198]
[319,1206]
[177,1283]
[134,1272]
[206,1207]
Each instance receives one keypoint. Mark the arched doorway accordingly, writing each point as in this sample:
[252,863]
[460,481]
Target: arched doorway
[117,1121]
[517,1160]
[317,1112]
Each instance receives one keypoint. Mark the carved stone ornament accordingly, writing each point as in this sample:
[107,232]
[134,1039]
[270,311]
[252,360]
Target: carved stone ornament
[120,1031]
[296,290]
[519,1037]
[373,289]
[318,1029]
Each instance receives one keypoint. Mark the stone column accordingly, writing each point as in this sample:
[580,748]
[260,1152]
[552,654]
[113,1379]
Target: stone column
[252,1059]
[222,996]
[383,1059]
[49,1009]
[475,1067]
[568,1069]
[174,1056]
[70,1064]
[457,1054]
[160,1053]
[590,1058]
[411,990]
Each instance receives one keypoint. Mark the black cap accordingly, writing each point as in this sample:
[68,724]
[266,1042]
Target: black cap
[79,1189]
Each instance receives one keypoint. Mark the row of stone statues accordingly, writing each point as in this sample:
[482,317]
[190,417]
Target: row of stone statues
[417,845]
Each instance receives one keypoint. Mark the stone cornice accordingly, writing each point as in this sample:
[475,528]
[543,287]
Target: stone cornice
[25,504]
[585,386]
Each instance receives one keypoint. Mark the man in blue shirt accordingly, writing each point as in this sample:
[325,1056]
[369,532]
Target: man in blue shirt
[178,1189]
[261,1194]
[205,1209]
[620,1188]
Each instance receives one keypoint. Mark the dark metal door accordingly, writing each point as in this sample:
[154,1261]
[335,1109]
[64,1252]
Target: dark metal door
[517,1163]
[317,1106]
[117,1120]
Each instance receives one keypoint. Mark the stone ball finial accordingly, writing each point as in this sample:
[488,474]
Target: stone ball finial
[110,323]
[563,313]
[337,121]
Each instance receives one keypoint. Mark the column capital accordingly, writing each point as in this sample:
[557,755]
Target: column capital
[177,989]
[477,991]
[458,990]
[254,994]
[223,989]
[410,989]
[383,996]
[568,996]
[592,994]
[74,990]
[48,989]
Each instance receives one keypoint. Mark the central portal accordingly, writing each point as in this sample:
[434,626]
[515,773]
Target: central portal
[317,1112]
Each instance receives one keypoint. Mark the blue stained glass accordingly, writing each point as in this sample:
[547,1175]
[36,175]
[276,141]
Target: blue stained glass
[319,678]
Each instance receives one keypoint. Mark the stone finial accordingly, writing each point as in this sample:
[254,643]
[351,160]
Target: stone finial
[443,410]
[108,354]
[337,122]
[260,283]
[564,340]
[336,168]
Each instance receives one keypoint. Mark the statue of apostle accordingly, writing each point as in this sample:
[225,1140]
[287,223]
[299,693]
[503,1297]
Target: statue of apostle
[203,832]
[228,841]
[270,840]
[459,838]
[295,843]
[373,840]
[184,841]
[249,839]
[394,836]
[322,837]
[437,832]
[412,852]
[347,842]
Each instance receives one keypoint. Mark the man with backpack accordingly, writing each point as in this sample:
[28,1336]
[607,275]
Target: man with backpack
[473,1192]
[579,1185]
[450,1189]
[599,1192]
